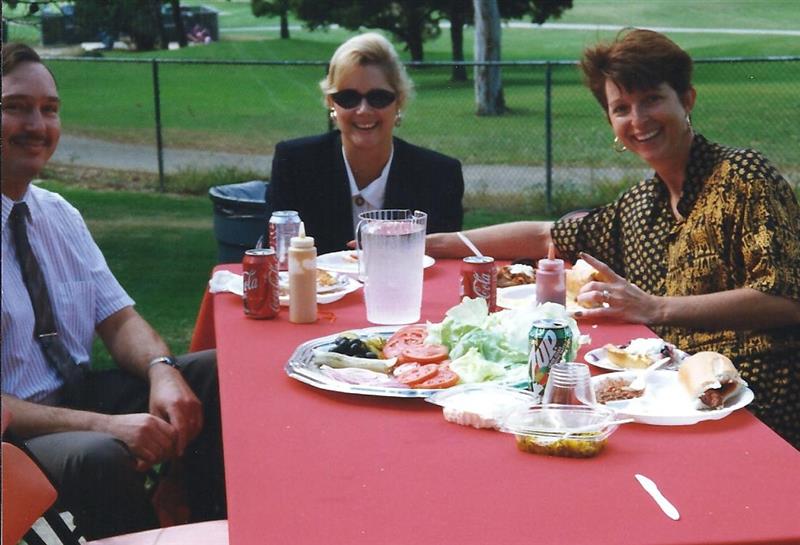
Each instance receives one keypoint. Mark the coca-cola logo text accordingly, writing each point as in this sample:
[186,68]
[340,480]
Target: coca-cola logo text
[482,284]
[250,279]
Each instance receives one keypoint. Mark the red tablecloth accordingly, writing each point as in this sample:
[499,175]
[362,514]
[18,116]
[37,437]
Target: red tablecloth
[309,466]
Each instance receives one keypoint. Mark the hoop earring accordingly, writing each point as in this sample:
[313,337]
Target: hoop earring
[398,119]
[332,115]
[618,146]
[689,126]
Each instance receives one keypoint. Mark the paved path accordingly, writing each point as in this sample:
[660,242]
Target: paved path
[492,179]
[90,152]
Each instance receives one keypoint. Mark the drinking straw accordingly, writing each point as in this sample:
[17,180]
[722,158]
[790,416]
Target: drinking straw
[469,244]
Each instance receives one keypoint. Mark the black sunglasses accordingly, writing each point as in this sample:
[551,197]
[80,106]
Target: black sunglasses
[376,98]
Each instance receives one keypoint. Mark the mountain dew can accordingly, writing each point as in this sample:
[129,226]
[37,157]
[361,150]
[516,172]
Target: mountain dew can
[550,341]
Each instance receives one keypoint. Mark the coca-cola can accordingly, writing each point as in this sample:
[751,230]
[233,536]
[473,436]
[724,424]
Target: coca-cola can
[479,279]
[283,225]
[261,289]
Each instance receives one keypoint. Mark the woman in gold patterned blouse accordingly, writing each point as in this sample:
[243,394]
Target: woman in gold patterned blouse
[706,252]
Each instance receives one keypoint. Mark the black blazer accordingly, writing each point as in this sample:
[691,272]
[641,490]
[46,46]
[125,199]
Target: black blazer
[309,175]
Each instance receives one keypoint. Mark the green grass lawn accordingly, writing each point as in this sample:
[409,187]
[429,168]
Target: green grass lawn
[250,108]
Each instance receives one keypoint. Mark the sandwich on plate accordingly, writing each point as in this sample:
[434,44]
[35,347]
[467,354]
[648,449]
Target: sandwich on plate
[578,276]
[710,378]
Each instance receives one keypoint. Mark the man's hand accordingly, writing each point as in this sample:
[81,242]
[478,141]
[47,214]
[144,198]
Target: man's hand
[151,439]
[173,400]
[133,343]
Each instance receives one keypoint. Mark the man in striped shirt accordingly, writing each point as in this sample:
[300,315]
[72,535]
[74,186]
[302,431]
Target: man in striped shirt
[154,408]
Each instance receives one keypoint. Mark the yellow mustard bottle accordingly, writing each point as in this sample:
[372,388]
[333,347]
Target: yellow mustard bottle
[302,278]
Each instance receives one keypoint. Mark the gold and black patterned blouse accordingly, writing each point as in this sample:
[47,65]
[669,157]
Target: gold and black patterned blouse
[741,229]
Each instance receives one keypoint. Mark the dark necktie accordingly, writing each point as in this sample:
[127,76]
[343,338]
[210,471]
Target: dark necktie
[45,330]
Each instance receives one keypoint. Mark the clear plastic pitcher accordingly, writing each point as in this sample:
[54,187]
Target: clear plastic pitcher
[391,246]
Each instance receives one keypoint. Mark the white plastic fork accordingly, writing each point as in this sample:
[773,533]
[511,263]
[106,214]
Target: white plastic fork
[641,380]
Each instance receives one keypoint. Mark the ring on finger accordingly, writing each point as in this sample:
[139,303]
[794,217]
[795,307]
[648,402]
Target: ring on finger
[606,295]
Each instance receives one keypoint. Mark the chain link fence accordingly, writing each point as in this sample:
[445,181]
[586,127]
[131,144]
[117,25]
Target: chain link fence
[550,151]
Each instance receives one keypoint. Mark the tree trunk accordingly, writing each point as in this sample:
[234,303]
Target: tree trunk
[162,32]
[177,18]
[488,81]
[416,24]
[284,24]
[415,47]
[457,40]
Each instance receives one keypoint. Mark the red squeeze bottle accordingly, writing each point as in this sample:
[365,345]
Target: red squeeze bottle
[551,281]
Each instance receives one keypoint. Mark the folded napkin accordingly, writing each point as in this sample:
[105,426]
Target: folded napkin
[226,281]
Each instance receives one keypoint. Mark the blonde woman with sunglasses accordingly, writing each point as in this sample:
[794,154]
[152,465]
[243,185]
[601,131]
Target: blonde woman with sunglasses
[331,178]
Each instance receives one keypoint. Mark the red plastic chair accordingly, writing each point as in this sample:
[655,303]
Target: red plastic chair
[28,495]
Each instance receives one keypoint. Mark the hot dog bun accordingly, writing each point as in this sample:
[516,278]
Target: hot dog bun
[710,378]
[578,276]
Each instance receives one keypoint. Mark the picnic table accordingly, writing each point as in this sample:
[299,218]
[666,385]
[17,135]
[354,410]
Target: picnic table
[305,465]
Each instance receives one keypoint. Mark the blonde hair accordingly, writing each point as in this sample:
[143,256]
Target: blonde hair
[370,49]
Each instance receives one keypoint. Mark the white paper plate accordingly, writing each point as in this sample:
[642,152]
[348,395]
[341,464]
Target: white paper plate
[666,403]
[599,358]
[524,295]
[344,262]
[482,405]
[520,296]
[328,294]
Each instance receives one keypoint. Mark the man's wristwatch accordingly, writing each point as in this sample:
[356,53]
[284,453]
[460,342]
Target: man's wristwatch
[166,360]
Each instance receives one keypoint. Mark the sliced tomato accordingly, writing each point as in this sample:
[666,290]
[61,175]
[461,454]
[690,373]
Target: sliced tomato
[409,335]
[444,378]
[420,374]
[401,368]
[424,353]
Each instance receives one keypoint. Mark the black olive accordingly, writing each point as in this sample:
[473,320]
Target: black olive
[371,355]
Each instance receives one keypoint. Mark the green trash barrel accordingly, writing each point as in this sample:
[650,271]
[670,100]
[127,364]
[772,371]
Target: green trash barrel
[241,214]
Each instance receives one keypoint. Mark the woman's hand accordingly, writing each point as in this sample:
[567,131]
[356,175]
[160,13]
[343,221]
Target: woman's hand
[611,296]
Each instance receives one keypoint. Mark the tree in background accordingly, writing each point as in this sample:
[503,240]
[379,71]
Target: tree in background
[488,79]
[409,21]
[180,30]
[461,13]
[272,8]
[29,18]
[139,19]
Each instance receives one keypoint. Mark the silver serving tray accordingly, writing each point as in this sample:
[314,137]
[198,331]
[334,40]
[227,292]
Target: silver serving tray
[301,367]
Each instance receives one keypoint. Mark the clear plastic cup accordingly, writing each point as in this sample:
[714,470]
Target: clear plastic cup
[569,384]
